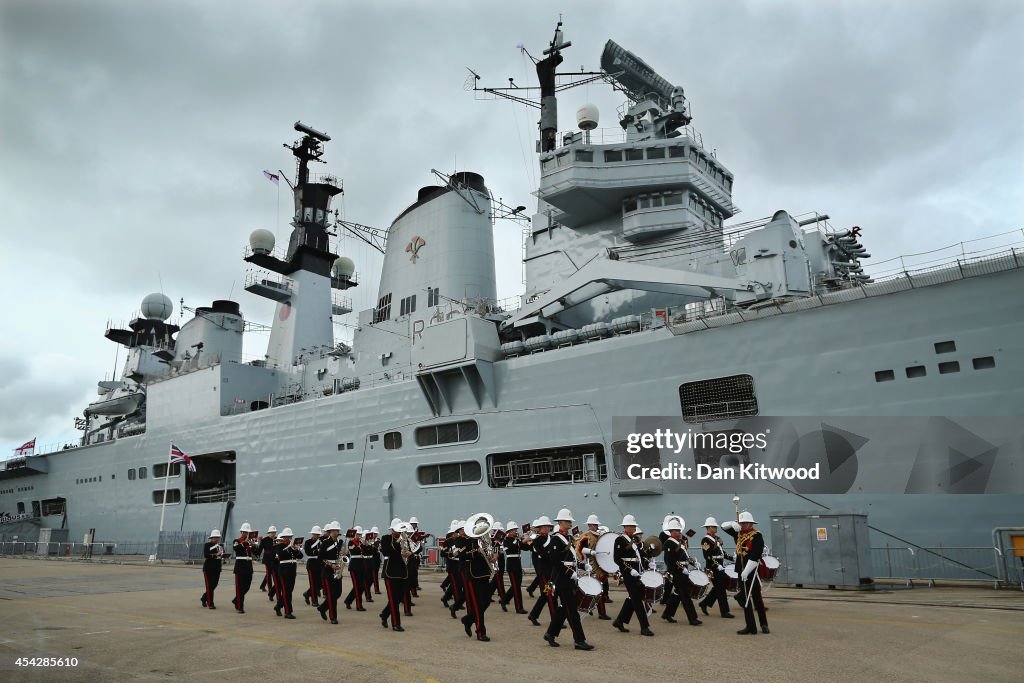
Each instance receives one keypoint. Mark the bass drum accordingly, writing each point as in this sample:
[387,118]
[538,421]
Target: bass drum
[604,553]
[588,591]
[732,580]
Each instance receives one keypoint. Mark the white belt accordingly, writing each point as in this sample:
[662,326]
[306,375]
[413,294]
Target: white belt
[630,559]
[569,564]
[244,558]
[287,561]
[516,555]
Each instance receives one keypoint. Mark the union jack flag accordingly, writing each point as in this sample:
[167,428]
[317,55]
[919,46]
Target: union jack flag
[177,455]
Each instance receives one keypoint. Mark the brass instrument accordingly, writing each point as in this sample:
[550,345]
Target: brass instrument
[478,526]
[404,543]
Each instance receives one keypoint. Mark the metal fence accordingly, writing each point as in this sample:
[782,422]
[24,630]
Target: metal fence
[935,564]
[75,551]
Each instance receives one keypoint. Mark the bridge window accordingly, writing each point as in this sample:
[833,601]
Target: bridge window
[677,151]
[383,310]
[562,465]
[408,305]
[433,296]
[586,155]
[467,472]
[634,155]
[446,433]
[721,398]
[655,152]
[612,155]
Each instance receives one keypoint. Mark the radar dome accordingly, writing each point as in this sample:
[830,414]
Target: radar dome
[343,267]
[586,117]
[157,306]
[261,241]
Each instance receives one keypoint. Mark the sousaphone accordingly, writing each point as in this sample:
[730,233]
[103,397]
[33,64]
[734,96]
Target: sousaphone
[478,525]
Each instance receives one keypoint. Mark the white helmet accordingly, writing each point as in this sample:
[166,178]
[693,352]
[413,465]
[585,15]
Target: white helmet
[245,527]
[407,528]
[564,515]
[359,529]
[497,527]
[214,534]
[272,529]
[413,520]
[396,524]
[592,519]
[638,532]
[329,526]
[711,521]
[536,523]
[673,525]
[374,530]
[287,533]
[747,517]
[511,526]
[628,520]
[453,526]
[315,530]
[544,521]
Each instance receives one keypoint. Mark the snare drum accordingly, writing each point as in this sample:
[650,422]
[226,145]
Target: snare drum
[732,580]
[699,583]
[588,591]
[767,570]
[653,584]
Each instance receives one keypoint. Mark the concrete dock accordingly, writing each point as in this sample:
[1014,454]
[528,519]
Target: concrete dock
[144,622]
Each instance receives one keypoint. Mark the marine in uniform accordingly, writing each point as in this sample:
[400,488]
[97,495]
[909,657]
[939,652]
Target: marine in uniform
[287,557]
[245,551]
[452,585]
[714,562]
[477,567]
[415,542]
[356,556]
[312,549]
[331,568]
[396,553]
[267,557]
[512,550]
[749,549]
[629,560]
[585,548]
[562,584]
[498,580]
[212,553]
[541,565]
[375,562]
[678,563]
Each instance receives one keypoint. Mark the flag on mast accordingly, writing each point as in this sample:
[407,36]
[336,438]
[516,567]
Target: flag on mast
[27,446]
[272,177]
[177,455]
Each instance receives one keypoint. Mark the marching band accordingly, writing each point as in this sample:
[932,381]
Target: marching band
[573,570]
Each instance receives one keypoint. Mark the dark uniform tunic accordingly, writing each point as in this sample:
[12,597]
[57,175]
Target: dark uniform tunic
[629,560]
[267,557]
[452,585]
[246,552]
[330,551]
[542,565]
[477,573]
[714,559]
[561,570]
[750,548]
[676,561]
[312,549]
[359,555]
[211,571]
[396,577]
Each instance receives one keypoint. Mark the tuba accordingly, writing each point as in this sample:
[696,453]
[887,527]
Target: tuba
[478,526]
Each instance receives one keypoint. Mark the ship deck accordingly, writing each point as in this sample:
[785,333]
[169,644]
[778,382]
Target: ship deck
[143,622]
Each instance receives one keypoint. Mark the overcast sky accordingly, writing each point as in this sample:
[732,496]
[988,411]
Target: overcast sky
[133,135]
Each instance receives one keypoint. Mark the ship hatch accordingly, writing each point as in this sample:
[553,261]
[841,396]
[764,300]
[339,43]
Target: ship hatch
[214,478]
[563,465]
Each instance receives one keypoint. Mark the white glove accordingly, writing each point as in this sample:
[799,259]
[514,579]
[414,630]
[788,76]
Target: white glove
[588,551]
[652,565]
[748,569]
[575,576]
[634,573]
[733,526]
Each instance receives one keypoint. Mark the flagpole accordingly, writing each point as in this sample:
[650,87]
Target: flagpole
[167,479]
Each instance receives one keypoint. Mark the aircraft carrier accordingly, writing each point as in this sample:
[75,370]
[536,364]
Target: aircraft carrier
[647,304]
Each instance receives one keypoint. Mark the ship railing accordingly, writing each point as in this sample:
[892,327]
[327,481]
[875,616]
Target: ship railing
[617,136]
[76,551]
[907,565]
[212,496]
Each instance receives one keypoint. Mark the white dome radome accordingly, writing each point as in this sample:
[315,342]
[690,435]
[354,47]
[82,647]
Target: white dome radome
[343,267]
[157,306]
[587,117]
[262,241]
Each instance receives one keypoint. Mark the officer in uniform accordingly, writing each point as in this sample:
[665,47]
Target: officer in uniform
[375,561]
[542,565]
[245,552]
[498,580]
[451,583]
[329,555]
[312,549]
[287,557]
[366,566]
[212,552]
[749,548]
[477,567]
[267,557]
[585,548]
[396,573]
[357,557]
[562,583]
[714,558]
[629,560]
[677,561]
[414,560]
[512,550]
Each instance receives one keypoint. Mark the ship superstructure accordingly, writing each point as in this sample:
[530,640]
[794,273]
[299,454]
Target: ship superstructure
[639,301]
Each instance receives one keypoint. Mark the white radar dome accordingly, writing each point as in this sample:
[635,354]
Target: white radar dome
[586,117]
[343,267]
[262,241]
[157,306]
